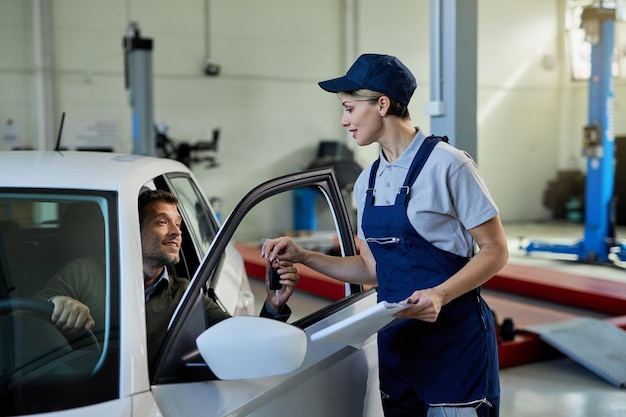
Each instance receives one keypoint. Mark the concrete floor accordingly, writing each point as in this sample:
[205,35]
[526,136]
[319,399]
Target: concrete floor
[559,387]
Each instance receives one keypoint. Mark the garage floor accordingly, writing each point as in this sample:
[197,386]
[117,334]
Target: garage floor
[558,387]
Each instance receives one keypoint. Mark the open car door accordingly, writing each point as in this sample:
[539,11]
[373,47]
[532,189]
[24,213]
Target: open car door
[331,379]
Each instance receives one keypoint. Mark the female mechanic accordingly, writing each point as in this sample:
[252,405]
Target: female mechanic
[430,236]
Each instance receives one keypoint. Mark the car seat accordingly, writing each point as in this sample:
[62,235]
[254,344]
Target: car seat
[82,231]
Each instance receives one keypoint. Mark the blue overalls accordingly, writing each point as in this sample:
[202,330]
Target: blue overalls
[452,362]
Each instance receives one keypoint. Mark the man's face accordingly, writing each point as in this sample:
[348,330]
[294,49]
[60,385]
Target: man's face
[160,234]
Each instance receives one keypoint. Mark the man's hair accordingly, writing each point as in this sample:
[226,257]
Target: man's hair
[152,196]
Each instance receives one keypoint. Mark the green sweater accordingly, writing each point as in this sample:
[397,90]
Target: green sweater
[84,280]
[160,308]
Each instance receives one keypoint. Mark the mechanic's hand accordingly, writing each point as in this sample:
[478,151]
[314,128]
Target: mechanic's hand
[284,248]
[288,278]
[70,315]
[425,305]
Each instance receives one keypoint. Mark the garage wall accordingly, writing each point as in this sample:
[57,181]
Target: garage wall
[17,97]
[266,101]
[518,103]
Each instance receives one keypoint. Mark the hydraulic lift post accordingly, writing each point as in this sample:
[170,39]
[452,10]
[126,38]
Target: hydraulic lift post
[599,239]
[138,80]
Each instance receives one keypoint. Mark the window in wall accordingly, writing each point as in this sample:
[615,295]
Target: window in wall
[579,48]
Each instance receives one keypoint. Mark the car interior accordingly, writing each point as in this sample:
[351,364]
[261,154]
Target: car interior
[39,234]
[36,251]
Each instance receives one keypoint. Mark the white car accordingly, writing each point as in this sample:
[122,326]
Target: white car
[57,206]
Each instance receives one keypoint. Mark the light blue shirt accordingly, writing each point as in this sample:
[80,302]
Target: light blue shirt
[164,277]
[448,198]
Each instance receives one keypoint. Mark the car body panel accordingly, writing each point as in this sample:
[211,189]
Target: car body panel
[124,175]
[334,380]
[344,377]
[33,169]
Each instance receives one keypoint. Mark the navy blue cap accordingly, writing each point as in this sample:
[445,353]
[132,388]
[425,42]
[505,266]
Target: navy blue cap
[381,73]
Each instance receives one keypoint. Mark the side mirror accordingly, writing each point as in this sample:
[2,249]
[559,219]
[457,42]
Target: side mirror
[246,347]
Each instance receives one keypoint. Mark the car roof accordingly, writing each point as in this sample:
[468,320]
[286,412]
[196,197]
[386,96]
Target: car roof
[80,169]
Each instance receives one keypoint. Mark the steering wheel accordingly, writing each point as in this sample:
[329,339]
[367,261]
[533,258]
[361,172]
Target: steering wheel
[84,339]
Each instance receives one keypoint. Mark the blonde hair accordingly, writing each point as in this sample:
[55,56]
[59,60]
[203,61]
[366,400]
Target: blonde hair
[395,108]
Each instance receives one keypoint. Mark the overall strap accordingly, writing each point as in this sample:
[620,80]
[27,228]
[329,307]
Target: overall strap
[418,163]
[369,199]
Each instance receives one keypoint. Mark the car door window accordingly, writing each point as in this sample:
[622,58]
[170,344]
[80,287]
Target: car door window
[57,243]
[200,226]
[197,215]
[275,217]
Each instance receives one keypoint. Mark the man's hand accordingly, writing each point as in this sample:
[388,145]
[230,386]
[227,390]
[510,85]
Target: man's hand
[288,278]
[70,315]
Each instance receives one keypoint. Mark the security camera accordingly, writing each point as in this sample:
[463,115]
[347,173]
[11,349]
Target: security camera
[212,69]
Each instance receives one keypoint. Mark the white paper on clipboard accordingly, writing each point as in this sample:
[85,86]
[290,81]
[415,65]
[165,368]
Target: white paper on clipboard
[355,330]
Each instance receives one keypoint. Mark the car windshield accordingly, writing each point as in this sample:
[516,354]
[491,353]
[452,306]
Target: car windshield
[56,243]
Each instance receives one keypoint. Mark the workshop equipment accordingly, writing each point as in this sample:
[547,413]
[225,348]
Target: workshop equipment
[599,239]
[138,80]
[595,344]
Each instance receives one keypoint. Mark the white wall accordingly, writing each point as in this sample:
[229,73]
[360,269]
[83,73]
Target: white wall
[518,103]
[17,96]
[266,100]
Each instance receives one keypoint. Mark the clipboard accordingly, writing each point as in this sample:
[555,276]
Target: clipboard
[355,330]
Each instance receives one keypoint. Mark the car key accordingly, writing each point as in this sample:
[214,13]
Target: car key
[275,277]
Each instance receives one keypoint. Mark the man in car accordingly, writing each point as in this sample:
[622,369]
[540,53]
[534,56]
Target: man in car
[78,289]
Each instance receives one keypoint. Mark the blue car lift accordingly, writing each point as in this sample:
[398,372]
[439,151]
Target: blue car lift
[599,147]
